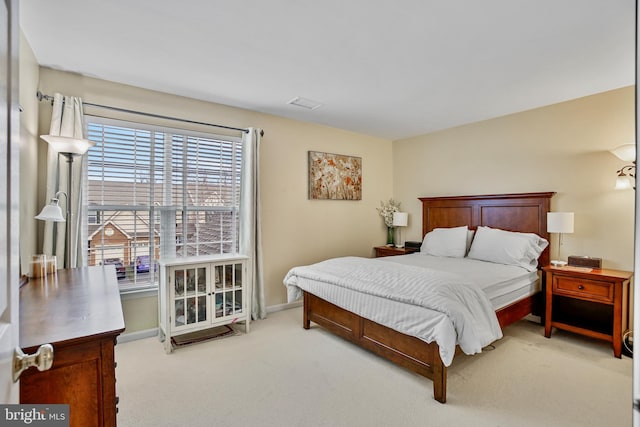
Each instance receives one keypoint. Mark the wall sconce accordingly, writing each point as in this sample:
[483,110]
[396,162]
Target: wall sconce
[400,219]
[627,153]
[623,181]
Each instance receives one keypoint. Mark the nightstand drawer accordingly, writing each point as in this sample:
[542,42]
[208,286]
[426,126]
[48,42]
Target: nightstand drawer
[590,290]
[382,252]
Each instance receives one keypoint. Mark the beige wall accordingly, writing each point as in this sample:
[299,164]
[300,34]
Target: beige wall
[28,79]
[562,148]
[295,230]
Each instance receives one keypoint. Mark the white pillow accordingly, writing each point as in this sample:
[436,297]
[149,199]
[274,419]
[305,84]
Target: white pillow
[507,247]
[445,242]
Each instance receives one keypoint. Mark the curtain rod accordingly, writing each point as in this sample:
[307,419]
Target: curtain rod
[42,96]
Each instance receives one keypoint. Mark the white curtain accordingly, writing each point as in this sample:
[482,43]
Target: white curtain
[66,120]
[250,227]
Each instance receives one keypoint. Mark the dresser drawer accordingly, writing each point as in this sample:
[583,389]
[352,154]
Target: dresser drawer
[590,290]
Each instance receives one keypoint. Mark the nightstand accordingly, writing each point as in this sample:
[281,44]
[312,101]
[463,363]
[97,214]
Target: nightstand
[392,251]
[591,302]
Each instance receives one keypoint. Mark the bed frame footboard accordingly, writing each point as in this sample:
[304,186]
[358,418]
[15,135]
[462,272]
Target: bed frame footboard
[404,350]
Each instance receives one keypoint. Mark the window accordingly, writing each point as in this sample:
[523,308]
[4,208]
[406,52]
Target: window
[94,217]
[156,191]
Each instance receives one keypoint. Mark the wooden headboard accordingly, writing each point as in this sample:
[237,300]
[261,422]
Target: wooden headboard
[524,212]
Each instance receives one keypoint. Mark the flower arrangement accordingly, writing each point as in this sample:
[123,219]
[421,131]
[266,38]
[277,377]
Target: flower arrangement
[386,211]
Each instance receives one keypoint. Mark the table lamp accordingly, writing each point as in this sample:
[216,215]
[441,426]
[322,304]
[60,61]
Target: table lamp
[400,219]
[559,222]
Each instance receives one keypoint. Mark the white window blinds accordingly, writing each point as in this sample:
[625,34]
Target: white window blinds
[155,191]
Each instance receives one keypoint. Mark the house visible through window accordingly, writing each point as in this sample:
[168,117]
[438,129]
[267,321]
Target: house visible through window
[155,191]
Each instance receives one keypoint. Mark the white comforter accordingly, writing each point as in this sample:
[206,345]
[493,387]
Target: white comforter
[428,304]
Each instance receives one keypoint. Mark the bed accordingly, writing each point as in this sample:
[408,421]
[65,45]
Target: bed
[522,213]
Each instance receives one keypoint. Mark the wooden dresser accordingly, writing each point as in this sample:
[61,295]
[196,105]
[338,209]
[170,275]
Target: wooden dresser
[79,312]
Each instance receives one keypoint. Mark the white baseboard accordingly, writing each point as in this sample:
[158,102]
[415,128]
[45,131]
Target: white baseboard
[138,335]
[153,332]
[280,307]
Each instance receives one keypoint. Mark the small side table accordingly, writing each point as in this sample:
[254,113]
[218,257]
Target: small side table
[382,251]
[604,295]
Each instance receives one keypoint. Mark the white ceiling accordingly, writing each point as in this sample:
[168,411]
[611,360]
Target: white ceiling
[387,68]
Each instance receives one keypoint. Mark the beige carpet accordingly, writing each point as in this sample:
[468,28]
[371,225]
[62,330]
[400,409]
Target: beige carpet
[281,375]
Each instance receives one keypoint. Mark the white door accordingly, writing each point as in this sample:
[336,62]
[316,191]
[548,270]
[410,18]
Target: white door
[9,126]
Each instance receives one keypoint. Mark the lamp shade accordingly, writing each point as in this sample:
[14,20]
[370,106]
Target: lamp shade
[626,152]
[560,222]
[400,219]
[66,144]
[51,212]
[623,182]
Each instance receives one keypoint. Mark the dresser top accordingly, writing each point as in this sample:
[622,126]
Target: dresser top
[69,306]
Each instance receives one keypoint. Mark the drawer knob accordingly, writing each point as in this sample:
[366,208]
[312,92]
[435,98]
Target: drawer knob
[580,287]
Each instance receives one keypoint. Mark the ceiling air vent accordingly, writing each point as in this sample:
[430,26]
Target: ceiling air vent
[304,103]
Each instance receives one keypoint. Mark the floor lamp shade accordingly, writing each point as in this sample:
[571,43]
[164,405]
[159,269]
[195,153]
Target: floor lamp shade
[626,152]
[67,144]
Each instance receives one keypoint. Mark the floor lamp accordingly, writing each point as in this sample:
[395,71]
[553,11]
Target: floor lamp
[70,148]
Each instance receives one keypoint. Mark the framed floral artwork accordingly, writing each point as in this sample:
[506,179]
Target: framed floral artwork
[334,176]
